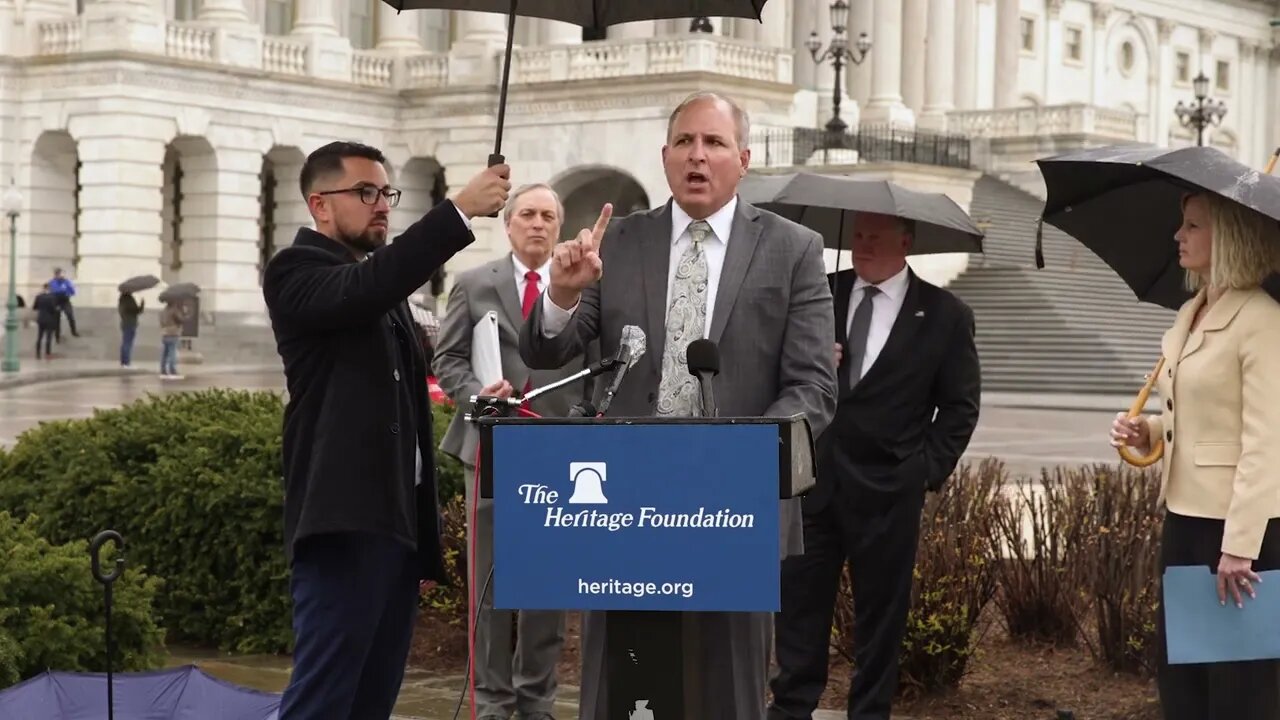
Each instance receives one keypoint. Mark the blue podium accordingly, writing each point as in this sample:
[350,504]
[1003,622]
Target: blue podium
[645,518]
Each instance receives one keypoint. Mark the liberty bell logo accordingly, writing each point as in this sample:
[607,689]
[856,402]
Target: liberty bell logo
[588,483]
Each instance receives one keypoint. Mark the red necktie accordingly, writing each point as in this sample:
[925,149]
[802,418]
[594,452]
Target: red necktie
[531,294]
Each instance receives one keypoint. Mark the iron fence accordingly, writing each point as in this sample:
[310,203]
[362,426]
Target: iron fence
[798,146]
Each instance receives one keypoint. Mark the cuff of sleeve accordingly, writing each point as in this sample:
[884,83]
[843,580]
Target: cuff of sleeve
[465,220]
[555,318]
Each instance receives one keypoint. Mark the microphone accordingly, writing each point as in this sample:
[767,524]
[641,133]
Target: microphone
[703,358]
[630,349]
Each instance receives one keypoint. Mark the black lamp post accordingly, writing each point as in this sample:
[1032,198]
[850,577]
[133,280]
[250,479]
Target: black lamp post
[1204,112]
[838,53]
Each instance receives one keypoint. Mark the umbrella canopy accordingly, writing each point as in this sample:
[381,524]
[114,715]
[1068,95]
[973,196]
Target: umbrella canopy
[139,283]
[179,291]
[587,13]
[1125,204]
[184,692]
[828,204]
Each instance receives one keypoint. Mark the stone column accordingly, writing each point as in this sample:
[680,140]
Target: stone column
[1163,117]
[315,17]
[915,28]
[632,30]
[328,52]
[1008,49]
[940,76]
[861,19]
[398,31]
[478,40]
[115,25]
[773,30]
[885,104]
[1266,99]
[1098,44]
[237,40]
[222,11]
[1053,51]
[966,67]
[121,176]
[560,33]
[803,21]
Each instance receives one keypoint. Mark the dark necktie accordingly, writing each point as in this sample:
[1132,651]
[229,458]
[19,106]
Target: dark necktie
[858,331]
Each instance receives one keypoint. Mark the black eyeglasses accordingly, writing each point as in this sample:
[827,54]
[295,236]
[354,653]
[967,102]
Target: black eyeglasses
[369,194]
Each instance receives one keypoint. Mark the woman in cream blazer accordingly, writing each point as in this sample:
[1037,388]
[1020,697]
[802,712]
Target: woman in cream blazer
[1220,426]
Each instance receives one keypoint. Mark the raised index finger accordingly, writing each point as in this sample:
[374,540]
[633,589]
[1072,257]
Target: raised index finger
[602,223]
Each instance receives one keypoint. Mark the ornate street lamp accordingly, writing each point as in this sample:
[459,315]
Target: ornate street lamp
[701,24]
[12,202]
[1204,113]
[839,53]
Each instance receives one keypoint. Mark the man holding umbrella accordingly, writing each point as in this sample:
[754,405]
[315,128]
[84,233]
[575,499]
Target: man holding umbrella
[130,309]
[909,383]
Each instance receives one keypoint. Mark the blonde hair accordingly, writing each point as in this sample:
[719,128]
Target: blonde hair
[1245,246]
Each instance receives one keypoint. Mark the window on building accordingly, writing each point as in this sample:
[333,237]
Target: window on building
[1182,67]
[1126,57]
[186,9]
[1223,80]
[278,17]
[360,24]
[1029,34]
[1074,44]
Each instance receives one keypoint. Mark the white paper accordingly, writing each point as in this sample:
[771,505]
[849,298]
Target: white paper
[486,355]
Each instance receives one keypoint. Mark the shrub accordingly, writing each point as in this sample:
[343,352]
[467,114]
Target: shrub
[449,480]
[1122,542]
[192,481]
[52,610]
[449,602]
[954,580]
[1037,534]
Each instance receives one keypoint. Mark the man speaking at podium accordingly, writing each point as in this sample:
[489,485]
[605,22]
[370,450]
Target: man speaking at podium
[705,265]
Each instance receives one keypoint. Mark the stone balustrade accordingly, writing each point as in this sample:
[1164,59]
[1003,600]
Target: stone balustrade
[1074,119]
[603,60]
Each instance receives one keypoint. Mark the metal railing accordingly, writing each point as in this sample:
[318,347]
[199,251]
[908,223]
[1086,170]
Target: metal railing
[798,146]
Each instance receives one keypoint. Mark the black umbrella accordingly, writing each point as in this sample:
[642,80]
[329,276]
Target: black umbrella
[139,283]
[828,204]
[179,291]
[1125,204]
[587,13]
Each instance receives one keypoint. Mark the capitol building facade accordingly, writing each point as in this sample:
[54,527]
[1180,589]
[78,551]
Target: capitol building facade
[166,136]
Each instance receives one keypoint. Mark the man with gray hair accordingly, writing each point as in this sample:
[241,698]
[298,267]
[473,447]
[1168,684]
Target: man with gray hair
[524,683]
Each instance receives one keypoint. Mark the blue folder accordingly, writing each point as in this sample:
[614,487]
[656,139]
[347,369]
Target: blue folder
[1199,630]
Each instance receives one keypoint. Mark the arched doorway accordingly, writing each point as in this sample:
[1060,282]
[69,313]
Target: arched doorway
[422,186]
[282,209]
[189,212]
[585,189]
[53,213]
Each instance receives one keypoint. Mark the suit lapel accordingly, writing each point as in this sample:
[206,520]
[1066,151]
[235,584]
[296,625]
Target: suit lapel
[841,289]
[743,239]
[504,284]
[1217,318]
[656,239]
[910,316]
[1174,341]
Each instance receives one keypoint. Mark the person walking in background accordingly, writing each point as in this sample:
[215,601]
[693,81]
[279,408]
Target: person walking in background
[45,307]
[62,289]
[170,330]
[129,309]
[1220,474]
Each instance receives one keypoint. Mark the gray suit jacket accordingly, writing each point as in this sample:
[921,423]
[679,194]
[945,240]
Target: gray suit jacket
[492,286]
[773,320]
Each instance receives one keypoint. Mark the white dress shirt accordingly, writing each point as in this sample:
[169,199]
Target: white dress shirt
[884,313]
[555,319]
[544,276]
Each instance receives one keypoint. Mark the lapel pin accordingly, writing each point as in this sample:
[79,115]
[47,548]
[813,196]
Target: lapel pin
[919,313]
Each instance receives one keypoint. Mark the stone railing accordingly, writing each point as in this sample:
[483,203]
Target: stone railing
[189,42]
[429,70]
[1075,119]
[653,56]
[372,69]
[284,55]
[60,37]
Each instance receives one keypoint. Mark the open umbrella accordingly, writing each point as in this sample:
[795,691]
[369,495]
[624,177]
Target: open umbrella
[828,204]
[179,291]
[587,13]
[1125,204]
[139,283]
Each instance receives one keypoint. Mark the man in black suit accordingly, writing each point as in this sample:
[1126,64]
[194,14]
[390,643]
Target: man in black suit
[904,351]
[361,524]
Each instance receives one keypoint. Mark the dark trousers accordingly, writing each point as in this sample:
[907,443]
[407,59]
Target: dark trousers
[128,333]
[44,338]
[64,306]
[877,534]
[1215,690]
[355,597]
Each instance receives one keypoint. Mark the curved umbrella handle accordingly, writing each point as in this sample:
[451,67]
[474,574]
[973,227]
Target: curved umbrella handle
[1157,444]
[95,553]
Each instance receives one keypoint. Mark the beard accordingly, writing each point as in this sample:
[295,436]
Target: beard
[365,241]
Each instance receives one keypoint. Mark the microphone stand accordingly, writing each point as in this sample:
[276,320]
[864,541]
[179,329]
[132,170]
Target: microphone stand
[489,405]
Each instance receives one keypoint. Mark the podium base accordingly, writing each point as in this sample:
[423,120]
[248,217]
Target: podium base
[649,665]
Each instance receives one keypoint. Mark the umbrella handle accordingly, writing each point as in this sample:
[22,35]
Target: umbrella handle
[95,553]
[1271,164]
[1157,444]
[496,158]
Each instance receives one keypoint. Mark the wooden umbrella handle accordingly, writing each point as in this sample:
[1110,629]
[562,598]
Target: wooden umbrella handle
[1157,444]
[1271,164]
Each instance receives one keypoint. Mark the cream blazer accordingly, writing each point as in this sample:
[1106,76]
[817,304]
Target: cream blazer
[1221,418]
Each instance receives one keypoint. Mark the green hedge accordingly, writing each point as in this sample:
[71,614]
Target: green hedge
[52,611]
[193,483]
